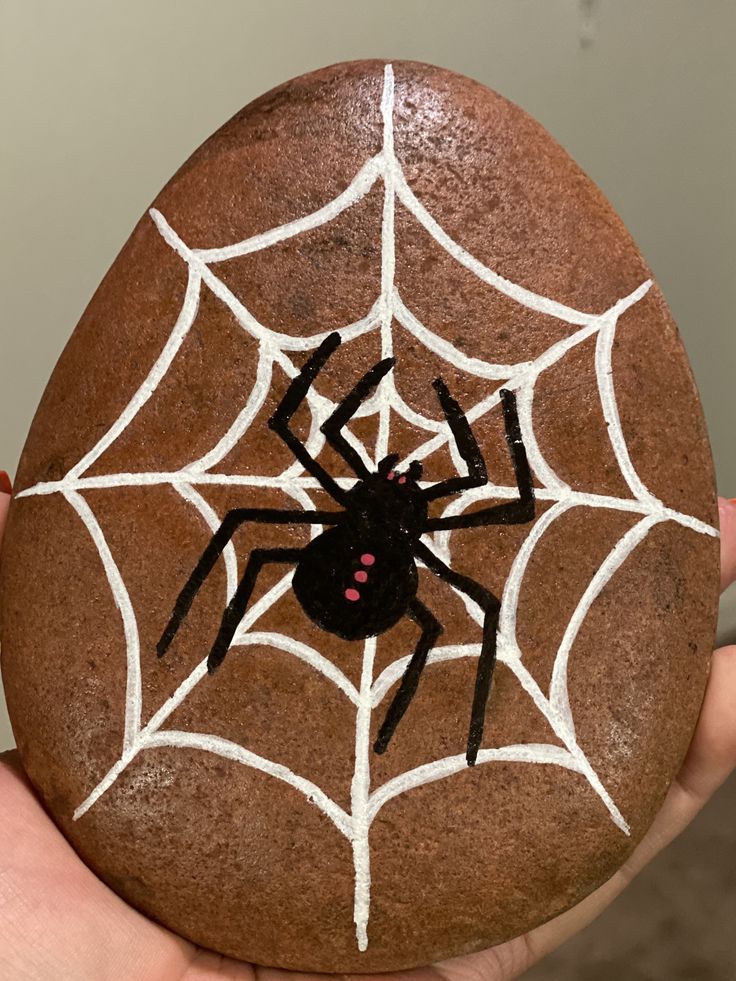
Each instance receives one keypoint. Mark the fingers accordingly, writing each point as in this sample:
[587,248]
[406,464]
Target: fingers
[5,489]
[727,514]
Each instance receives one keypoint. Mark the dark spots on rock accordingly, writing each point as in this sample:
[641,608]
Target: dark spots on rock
[301,306]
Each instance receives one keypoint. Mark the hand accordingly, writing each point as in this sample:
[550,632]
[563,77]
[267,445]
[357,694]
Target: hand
[58,920]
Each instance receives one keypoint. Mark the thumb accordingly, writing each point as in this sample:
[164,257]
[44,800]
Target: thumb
[727,513]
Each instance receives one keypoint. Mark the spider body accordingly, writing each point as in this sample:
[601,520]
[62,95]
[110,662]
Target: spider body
[358,577]
[355,584]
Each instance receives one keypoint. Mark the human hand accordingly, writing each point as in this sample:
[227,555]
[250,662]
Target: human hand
[58,920]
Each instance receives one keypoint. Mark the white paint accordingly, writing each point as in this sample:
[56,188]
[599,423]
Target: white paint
[614,560]
[388,258]
[274,352]
[360,796]
[232,751]
[316,661]
[421,775]
[150,384]
[247,414]
[121,597]
[358,188]
[213,522]
[447,351]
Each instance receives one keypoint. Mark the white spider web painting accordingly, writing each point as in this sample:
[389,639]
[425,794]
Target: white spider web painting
[390,311]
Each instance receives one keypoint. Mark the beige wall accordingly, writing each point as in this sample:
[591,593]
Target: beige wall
[100,101]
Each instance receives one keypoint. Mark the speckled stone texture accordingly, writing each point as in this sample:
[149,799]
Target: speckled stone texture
[230,856]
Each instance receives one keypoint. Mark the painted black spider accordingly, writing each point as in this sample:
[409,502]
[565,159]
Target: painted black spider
[359,577]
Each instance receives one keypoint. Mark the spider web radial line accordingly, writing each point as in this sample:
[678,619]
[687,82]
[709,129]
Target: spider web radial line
[490,491]
[388,257]
[360,797]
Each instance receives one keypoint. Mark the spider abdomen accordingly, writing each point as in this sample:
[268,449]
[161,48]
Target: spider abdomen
[355,585]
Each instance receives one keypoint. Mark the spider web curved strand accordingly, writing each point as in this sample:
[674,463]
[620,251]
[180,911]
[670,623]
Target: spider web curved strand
[233,751]
[394,671]
[213,522]
[520,294]
[428,773]
[514,582]
[447,351]
[537,461]
[303,652]
[604,373]
[183,325]
[121,597]
[559,695]
[253,405]
[353,193]
[533,369]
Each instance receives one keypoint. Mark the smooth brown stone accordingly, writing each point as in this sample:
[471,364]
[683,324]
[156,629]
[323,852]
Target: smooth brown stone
[238,860]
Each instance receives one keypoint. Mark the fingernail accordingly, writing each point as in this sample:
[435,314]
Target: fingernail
[5,486]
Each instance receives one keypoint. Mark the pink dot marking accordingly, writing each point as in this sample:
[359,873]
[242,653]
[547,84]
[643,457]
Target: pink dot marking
[360,576]
[367,559]
[352,594]
[390,475]
[402,480]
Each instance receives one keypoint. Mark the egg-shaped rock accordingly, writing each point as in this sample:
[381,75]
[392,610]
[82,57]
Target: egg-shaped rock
[360,578]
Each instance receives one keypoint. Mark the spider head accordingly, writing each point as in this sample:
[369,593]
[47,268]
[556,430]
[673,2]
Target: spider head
[387,472]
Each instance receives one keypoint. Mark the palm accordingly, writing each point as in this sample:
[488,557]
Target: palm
[56,916]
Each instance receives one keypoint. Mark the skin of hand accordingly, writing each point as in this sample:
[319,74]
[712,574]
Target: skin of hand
[58,920]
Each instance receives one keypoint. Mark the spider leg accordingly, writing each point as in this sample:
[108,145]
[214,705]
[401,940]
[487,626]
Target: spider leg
[235,610]
[431,629]
[332,427]
[467,446]
[510,512]
[295,395]
[231,522]
[491,607]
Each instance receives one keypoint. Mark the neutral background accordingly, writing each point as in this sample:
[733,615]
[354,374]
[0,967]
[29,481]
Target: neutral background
[101,101]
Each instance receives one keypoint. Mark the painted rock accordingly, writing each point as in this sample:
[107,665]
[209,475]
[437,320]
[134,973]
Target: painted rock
[360,581]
